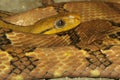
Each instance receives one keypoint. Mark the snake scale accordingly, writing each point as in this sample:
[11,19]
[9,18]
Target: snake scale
[91,49]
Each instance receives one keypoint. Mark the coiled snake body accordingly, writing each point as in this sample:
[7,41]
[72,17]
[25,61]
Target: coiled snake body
[89,50]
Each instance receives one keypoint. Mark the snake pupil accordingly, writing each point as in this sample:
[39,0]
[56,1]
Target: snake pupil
[60,23]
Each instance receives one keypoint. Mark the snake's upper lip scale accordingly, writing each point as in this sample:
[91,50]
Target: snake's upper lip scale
[46,30]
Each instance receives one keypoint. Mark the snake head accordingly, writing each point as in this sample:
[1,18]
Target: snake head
[58,23]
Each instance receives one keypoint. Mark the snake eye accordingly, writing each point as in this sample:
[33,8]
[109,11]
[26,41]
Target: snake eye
[59,24]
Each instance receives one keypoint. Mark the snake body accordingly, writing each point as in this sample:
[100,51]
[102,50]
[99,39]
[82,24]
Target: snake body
[89,50]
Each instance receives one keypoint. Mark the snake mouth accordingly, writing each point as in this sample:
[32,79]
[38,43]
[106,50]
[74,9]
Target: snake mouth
[46,30]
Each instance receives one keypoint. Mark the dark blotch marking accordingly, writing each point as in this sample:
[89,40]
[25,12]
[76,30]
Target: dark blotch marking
[19,66]
[78,47]
[108,47]
[20,61]
[60,8]
[113,36]
[118,33]
[119,39]
[75,38]
[87,50]
[3,38]
[97,58]
[115,24]
[99,42]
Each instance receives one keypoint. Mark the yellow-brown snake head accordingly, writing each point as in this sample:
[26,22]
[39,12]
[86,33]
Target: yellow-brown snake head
[50,25]
[58,24]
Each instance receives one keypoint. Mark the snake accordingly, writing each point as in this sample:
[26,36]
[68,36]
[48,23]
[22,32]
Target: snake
[81,40]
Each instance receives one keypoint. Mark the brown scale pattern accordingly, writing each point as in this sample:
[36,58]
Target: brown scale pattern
[4,14]
[36,14]
[61,61]
[17,62]
[4,64]
[29,40]
[69,61]
[93,10]
[87,10]
[80,60]
[47,61]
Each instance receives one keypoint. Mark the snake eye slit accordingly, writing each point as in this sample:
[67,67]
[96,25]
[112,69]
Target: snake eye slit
[59,23]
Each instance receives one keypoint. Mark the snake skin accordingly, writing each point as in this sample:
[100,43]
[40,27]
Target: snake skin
[90,50]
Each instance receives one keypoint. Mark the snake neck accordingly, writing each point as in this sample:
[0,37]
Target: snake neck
[5,24]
